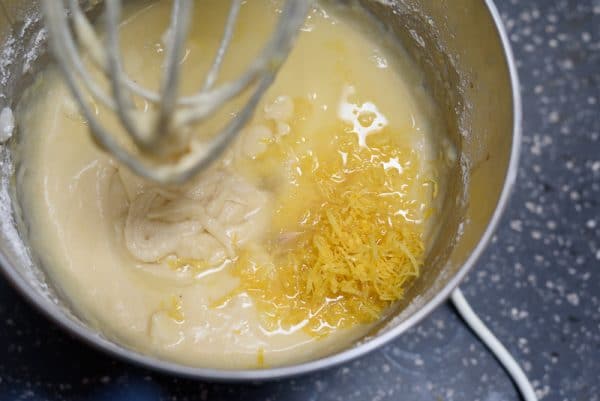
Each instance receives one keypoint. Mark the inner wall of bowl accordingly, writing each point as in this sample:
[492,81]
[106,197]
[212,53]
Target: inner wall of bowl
[457,44]
[22,52]
[458,49]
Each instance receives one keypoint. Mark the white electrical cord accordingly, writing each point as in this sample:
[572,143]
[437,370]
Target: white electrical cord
[505,358]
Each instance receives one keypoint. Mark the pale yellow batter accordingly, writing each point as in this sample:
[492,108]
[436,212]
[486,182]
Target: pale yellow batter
[126,252]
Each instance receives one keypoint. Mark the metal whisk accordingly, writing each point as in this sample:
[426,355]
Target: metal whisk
[154,134]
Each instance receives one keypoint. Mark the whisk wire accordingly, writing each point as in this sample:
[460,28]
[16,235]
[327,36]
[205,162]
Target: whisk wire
[178,31]
[151,131]
[123,103]
[232,17]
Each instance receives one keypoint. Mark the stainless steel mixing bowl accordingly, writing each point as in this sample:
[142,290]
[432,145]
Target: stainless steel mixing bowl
[464,52]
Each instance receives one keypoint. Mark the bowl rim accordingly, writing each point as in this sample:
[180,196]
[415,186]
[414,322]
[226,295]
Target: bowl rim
[99,342]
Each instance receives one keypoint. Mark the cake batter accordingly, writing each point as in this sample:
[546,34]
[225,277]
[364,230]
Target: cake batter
[176,272]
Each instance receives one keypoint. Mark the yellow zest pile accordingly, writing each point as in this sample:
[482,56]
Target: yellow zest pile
[344,258]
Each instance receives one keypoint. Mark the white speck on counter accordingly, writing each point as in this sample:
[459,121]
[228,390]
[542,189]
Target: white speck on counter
[554,117]
[7,124]
[516,225]
[573,299]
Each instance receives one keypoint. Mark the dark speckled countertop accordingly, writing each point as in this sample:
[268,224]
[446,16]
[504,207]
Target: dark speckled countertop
[537,286]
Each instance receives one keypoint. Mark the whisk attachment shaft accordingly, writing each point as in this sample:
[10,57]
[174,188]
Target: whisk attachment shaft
[156,133]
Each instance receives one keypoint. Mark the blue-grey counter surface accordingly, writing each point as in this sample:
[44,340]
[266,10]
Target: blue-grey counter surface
[537,286]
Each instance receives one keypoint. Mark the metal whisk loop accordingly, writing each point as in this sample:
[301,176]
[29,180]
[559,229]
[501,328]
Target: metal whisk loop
[151,132]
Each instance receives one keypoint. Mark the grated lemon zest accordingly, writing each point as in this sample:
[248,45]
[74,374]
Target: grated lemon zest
[356,254]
